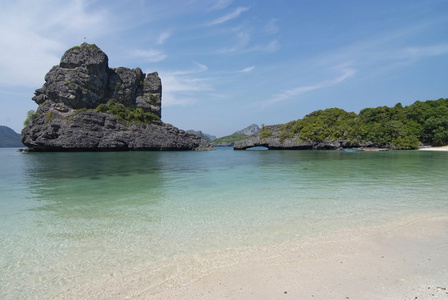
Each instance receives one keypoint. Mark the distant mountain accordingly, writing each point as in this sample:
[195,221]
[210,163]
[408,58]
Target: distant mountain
[9,138]
[205,136]
[242,134]
[249,130]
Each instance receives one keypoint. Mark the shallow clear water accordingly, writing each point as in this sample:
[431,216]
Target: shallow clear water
[67,218]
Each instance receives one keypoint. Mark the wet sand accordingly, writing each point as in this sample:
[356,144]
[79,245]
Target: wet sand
[402,260]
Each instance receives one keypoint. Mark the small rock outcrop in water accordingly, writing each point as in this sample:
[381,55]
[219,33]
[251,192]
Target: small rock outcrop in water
[86,106]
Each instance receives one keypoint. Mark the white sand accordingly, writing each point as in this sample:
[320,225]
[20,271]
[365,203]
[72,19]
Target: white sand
[443,148]
[404,260]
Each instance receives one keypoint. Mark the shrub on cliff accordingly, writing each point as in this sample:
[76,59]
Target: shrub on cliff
[30,116]
[124,113]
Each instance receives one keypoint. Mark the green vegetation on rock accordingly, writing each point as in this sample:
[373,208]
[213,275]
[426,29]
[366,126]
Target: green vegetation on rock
[229,139]
[30,116]
[87,46]
[121,112]
[395,127]
[264,133]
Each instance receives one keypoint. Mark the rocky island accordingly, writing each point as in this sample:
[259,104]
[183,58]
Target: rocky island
[399,127]
[86,106]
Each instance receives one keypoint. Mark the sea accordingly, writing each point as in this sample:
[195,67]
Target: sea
[73,219]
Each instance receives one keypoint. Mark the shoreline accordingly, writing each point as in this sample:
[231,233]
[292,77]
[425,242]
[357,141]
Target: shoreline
[442,148]
[399,260]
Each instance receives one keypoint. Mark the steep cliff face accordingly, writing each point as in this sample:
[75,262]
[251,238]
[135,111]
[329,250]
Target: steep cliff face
[84,80]
[86,106]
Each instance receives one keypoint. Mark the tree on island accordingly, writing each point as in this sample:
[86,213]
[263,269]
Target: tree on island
[395,127]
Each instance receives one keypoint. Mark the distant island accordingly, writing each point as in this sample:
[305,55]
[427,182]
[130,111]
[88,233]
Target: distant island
[9,138]
[86,106]
[208,137]
[398,127]
[229,140]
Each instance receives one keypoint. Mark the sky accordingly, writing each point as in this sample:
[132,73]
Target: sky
[226,64]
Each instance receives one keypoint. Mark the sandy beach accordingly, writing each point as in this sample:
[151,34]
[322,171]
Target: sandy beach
[401,260]
[443,148]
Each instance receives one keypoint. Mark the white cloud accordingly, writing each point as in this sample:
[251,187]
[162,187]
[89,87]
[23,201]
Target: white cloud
[271,47]
[247,70]
[243,42]
[200,68]
[150,55]
[243,39]
[221,4]
[347,72]
[25,60]
[163,37]
[386,52]
[271,27]
[183,87]
[428,51]
[36,34]
[230,16]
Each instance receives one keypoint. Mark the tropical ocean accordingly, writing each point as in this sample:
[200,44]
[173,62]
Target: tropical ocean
[73,219]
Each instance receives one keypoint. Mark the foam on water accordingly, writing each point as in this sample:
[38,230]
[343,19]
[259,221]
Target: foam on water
[71,218]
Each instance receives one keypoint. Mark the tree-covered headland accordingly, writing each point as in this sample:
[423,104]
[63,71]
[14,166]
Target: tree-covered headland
[398,127]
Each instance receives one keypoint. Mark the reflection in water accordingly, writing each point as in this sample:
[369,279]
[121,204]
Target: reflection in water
[87,213]
[91,184]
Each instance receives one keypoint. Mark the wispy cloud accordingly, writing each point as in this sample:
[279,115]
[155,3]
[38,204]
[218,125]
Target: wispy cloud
[247,70]
[183,87]
[271,27]
[347,72]
[271,47]
[230,16]
[150,55]
[242,45]
[221,4]
[41,34]
[385,52]
[243,39]
[200,68]
[426,51]
[163,37]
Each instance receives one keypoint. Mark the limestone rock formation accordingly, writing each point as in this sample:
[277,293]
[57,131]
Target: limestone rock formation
[249,130]
[86,106]
[208,137]
[275,141]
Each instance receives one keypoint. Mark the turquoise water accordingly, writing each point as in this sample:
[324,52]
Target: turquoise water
[69,218]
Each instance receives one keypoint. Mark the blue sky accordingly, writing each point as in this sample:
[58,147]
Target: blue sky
[226,64]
